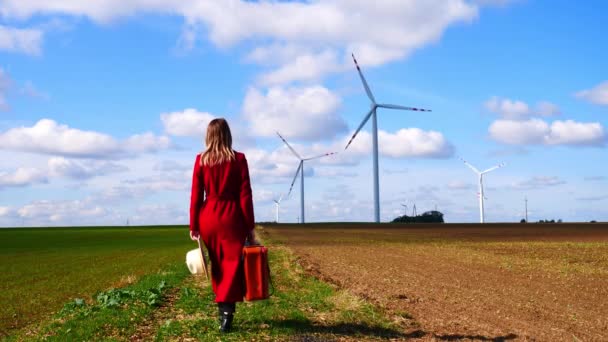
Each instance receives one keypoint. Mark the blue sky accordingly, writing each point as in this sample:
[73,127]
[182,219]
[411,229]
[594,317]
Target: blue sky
[103,106]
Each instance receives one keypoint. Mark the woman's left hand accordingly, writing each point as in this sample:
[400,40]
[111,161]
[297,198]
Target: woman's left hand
[194,235]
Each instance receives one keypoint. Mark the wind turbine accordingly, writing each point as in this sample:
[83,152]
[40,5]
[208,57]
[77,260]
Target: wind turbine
[301,168]
[405,210]
[277,205]
[372,114]
[526,200]
[480,174]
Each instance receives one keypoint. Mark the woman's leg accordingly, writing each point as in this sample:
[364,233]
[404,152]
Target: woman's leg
[226,307]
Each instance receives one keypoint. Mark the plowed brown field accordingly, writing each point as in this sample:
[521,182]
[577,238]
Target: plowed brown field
[468,282]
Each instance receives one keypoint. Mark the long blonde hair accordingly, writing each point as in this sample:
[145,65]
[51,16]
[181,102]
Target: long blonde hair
[219,143]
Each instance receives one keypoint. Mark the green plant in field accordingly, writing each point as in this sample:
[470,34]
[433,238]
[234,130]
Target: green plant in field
[116,298]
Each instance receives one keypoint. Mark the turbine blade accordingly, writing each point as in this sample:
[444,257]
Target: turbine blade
[470,166]
[295,177]
[321,156]
[494,168]
[367,90]
[367,116]
[280,198]
[392,106]
[291,148]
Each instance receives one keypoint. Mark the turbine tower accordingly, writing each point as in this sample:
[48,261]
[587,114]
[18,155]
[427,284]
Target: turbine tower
[405,209]
[277,205]
[526,200]
[372,114]
[301,168]
[481,195]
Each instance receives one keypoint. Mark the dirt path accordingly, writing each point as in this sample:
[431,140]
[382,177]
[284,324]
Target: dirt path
[465,293]
[147,330]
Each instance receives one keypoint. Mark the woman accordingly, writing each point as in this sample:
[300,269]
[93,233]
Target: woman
[224,219]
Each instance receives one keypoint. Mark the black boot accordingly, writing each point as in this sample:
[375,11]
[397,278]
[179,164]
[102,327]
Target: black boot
[226,321]
[226,315]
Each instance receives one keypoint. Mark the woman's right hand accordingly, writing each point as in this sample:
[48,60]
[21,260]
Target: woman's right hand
[251,238]
[194,235]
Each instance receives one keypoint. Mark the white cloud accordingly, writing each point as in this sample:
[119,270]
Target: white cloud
[187,123]
[507,108]
[304,67]
[539,132]
[49,137]
[145,142]
[278,53]
[22,177]
[178,181]
[301,113]
[171,166]
[62,212]
[81,169]
[5,211]
[512,132]
[576,133]
[494,2]
[155,214]
[405,143]
[58,167]
[119,193]
[404,25]
[271,167]
[538,182]
[334,172]
[192,123]
[378,31]
[597,95]
[593,198]
[5,84]
[460,185]
[519,110]
[263,196]
[98,10]
[545,108]
[414,142]
[26,41]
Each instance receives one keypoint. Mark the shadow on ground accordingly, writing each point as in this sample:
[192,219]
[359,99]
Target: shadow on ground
[458,337]
[305,330]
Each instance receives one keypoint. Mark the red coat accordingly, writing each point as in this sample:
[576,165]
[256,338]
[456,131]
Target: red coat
[223,218]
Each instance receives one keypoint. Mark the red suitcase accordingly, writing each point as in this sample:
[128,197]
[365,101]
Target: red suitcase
[257,272]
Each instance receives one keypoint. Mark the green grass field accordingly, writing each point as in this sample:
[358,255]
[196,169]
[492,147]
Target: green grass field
[41,269]
[131,284]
